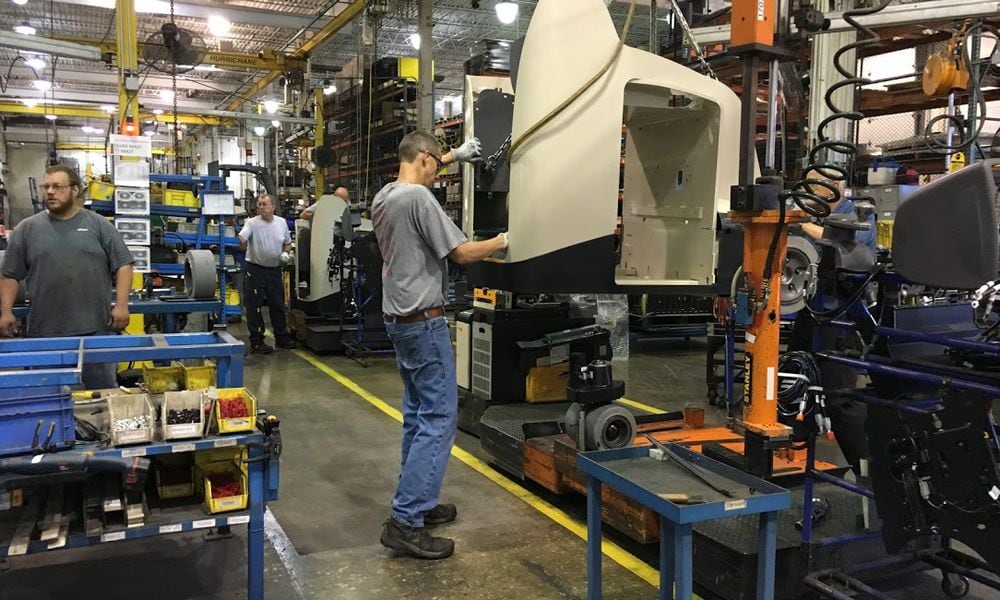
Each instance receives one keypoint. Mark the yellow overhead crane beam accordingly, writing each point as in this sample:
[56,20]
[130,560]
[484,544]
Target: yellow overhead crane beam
[265,60]
[16,108]
[333,26]
[99,148]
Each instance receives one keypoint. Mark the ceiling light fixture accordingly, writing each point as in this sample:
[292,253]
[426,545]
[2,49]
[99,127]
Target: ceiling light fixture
[506,12]
[271,106]
[219,26]
[24,29]
[167,94]
[51,117]
[43,85]
[329,87]
[276,124]
[206,68]
[30,102]
[109,108]
[35,63]
[415,41]
[157,111]
[20,2]
[260,131]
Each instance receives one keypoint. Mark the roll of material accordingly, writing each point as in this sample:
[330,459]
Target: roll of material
[200,278]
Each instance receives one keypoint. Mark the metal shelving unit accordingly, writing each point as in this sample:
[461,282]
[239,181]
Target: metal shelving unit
[61,358]
[199,240]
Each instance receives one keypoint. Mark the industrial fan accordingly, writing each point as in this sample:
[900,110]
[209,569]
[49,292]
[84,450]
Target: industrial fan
[173,50]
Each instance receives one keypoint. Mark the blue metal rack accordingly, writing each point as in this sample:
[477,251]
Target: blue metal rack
[201,239]
[61,359]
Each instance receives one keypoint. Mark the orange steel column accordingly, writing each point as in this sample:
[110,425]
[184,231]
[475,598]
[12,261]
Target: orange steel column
[752,23]
[760,413]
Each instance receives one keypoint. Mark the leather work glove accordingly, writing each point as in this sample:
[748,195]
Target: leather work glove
[468,152]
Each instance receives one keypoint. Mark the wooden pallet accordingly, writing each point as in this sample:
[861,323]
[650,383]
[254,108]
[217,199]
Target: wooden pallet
[550,461]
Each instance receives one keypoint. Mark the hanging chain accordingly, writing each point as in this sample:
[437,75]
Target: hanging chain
[679,15]
[177,144]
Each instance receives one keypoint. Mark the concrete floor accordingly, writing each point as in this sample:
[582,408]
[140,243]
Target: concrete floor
[339,468]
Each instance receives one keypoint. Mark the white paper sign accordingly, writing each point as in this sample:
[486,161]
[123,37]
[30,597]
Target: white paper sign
[135,232]
[132,174]
[132,201]
[218,203]
[131,145]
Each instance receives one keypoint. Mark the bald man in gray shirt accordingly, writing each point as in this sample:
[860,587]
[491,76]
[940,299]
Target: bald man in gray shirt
[267,242]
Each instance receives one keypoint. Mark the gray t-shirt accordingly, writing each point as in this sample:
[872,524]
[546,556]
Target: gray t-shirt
[68,266]
[265,240]
[414,236]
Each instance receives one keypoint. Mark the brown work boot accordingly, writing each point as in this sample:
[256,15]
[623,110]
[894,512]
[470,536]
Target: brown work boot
[415,541]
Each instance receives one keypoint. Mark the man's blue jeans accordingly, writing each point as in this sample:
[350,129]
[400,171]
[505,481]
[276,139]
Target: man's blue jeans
[430,411]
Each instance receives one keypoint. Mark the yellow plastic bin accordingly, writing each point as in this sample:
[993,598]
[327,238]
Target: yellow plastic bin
[98,191]
[236,424]
[224,503]
[199,377]
[163,379]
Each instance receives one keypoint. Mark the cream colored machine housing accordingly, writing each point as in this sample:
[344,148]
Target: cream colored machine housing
[322,283]
[681,158]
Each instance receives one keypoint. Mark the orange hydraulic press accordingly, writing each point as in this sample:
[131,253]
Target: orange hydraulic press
[759,205]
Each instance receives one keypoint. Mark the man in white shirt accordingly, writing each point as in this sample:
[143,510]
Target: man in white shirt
[267,244]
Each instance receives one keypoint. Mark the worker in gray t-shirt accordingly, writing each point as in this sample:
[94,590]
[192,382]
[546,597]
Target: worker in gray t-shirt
[67,256]
[267,242]
[415,236]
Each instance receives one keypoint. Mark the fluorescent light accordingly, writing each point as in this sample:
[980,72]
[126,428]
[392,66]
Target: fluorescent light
[167,94]
[260,130]
[90,130]
[24,29]
[415,41]
[149,132]
[35,63]
[207,68]
[109,108]
[51,117]
[275,124]
[506,12]
[271,106]
[43,85]
[157,111]
[219,26]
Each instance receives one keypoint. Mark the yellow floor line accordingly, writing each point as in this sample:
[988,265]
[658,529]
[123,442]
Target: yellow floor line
[650,409]
[610,549]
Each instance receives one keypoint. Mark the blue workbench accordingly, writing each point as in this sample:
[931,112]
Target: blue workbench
[634,474]
[168,308]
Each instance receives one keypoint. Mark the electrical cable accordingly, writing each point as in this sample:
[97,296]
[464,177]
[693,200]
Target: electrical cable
[576,95]
[797,373]
[829,315]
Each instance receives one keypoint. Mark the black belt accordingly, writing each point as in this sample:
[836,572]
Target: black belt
[417,317]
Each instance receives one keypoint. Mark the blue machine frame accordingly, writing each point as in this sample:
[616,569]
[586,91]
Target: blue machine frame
[168,308]
[676,520]
[963,565]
